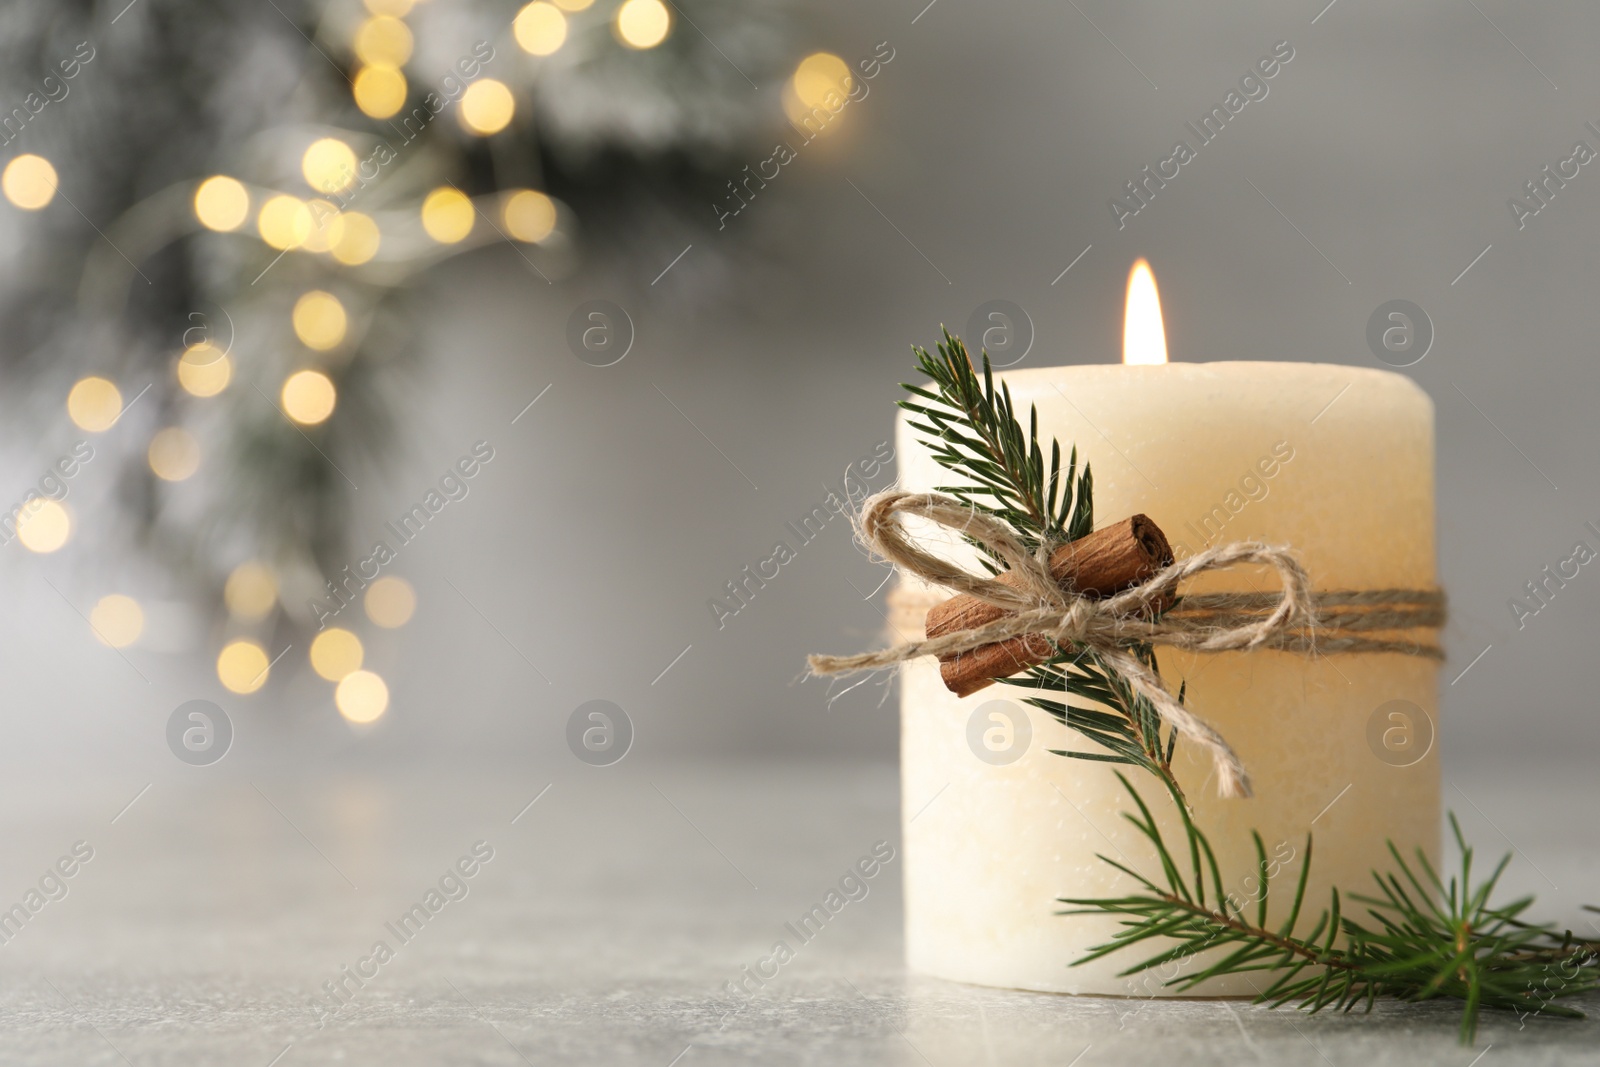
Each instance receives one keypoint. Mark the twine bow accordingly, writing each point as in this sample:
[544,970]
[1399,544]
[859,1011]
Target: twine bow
[1110,627]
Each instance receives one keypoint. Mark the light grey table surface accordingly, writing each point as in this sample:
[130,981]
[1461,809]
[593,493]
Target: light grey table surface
[602,930]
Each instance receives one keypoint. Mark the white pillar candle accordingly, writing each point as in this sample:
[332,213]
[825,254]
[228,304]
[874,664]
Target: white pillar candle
[1336,462]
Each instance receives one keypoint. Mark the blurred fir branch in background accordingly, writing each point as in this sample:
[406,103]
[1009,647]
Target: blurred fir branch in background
[221,212]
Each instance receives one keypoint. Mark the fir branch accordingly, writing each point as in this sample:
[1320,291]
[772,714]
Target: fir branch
[1132,732]
[972,430]
[1424,938]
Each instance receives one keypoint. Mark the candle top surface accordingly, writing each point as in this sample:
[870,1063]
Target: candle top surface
[1024,377]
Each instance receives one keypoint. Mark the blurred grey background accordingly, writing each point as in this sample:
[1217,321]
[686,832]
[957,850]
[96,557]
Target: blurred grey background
[766,360]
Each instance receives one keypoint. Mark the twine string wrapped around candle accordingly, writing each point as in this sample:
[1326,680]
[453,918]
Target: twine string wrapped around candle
[1294,619]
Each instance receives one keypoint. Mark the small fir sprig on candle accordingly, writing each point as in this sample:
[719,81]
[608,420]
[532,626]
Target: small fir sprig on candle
[1421,937]
[973,431]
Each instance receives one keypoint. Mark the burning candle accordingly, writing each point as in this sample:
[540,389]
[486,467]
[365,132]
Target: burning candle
[1335,462]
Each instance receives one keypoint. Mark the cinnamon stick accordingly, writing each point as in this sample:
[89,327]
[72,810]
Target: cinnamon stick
[1100,564]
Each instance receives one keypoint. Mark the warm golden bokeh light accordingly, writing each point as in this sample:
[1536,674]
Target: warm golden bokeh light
[174,454]
[357,240]
[540,28]
[29,182]
[447,215]
[390,602]
[529,216]
[329,165]
[43,525]
[819,75]
[117,620]
[383,41]
[94,404]
[204,370]
[574,5]
[251,591]
[642,23]
[1144,338]
[320,320]
[361,697]
[242,667]
[327,226]
[309,397]
[398,8]
[335,653]
[221,203]
[486,107]
[379,91]
[285,222]
[815,97]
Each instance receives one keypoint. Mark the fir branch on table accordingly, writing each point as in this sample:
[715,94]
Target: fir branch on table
[1422,938]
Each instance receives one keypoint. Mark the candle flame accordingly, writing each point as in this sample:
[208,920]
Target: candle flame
[1144,338]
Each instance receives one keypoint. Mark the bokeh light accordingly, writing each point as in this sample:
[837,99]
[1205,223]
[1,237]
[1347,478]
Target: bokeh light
[329,165]
[221,203]
[320,320]
[447,215]
[43,525]
[204,370]
[174,454]
[251,591]
[335,653]
[529,216]
[642,23]
[390,602]
[574,5]
[309,397]
[397,8]
[383,41]
[379,91]
[29,182]
[327,226]
[820,74]
[242,666]
[94,404]
[285,222]
[540,28]
[361,697]
[357,240]
[117,620]
[486,107]
[814,98]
